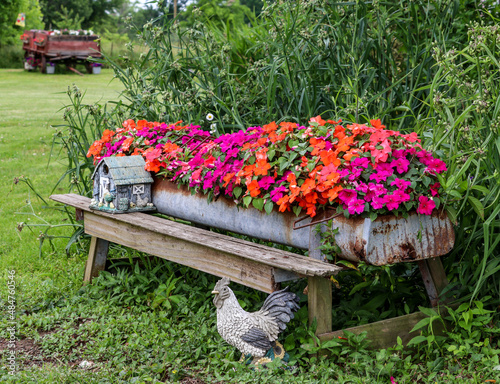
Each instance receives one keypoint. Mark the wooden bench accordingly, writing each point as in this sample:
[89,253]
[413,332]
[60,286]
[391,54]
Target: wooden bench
[254,265]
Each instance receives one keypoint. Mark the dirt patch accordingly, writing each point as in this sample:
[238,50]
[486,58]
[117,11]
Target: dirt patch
[28,352]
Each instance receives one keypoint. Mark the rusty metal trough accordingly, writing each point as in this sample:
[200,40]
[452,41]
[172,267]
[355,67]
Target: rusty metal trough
[387,240]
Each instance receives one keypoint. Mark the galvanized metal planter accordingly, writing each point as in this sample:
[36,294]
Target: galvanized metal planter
[387,240]
[390,239]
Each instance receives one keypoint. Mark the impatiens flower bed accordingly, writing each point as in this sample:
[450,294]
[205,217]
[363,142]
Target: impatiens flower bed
[358,169]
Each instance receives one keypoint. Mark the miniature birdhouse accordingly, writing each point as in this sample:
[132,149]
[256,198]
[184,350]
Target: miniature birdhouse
[121,184]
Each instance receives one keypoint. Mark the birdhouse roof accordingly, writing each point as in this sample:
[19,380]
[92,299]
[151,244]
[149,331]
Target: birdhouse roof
[126,170]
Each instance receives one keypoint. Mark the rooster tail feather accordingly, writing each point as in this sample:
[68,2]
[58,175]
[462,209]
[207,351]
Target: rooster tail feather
[280,306]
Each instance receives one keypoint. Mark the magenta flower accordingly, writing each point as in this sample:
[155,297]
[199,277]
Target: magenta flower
[356,172]
[401,184]
[356,206]
[401,196]
[363,162]
[391,202]
[266,182]
[346,195]
[277,193]
[344,173]
[380,175]
[426,205]
[362,187]
[425,157]
[436,166]
[397,153]
[401,165]
[434,189]
[378,202]
[377,189]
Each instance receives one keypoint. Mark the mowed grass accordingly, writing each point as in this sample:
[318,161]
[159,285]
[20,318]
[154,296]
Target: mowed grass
[30,105]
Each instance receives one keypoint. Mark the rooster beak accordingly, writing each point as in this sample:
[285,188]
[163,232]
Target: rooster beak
[215,292]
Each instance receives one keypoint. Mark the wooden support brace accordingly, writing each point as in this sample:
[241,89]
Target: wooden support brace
[435,279]
[96,261]
[319,290]
[320,303]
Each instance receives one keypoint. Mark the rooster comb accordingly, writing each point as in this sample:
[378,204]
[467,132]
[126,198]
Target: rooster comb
[221,283]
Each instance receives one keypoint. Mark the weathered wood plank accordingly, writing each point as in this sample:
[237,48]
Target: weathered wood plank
[254,252]
[384,333]
[96,262]
[219,263]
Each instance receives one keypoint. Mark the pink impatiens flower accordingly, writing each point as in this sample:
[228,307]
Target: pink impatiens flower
[377,202]
[436,166]
[346,195]
[434,189]
[401,184]
[401,165]
[426,205]
[391,202]
[356,206]
[361,162]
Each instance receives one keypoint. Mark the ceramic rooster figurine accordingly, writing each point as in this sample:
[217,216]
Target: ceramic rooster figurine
[254,334]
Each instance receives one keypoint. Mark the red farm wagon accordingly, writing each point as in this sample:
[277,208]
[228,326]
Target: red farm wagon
[43,47]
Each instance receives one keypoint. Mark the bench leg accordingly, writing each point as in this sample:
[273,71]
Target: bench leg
[435,279]
[320,303]
[96,261]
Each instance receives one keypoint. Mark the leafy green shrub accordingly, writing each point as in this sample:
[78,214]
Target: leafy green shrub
[11,56]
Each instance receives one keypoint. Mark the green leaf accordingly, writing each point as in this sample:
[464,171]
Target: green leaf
[269,207]
[478,207]
[417,340]
[258,203]
[481,189]
[270,154]
[237,192]
[421,324]
[247,200]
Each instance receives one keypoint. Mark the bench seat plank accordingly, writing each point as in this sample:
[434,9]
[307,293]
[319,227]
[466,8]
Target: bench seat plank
[187,245]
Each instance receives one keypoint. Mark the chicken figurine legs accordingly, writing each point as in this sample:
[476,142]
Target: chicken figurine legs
[254,334]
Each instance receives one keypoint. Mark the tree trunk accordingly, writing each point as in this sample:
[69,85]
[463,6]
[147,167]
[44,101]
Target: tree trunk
[175,9]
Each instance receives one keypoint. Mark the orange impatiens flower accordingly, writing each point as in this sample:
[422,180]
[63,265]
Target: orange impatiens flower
[377,124]
[253,187]
[107,135]
[95,149]
[127,143]
[318,120]
[287,127]
[271,127]
[261,168]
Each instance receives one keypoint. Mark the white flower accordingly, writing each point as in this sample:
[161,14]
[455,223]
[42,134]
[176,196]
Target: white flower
[210,117]
[213,126]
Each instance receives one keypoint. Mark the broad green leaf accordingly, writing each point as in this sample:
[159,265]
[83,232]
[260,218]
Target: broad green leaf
[417,340]
[247,200]
[478,207]
[269,206]
[258,203]
[237,192]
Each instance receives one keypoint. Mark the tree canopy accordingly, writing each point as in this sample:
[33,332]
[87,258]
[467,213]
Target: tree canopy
[84,13]
[9,9]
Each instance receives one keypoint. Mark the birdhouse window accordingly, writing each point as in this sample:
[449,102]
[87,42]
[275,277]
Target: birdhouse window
[138,189]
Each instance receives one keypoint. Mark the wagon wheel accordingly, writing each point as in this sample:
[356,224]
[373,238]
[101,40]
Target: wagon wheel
[43,64]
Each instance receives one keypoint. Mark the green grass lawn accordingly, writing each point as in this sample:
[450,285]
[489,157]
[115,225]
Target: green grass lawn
[110,331]
[30,106]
